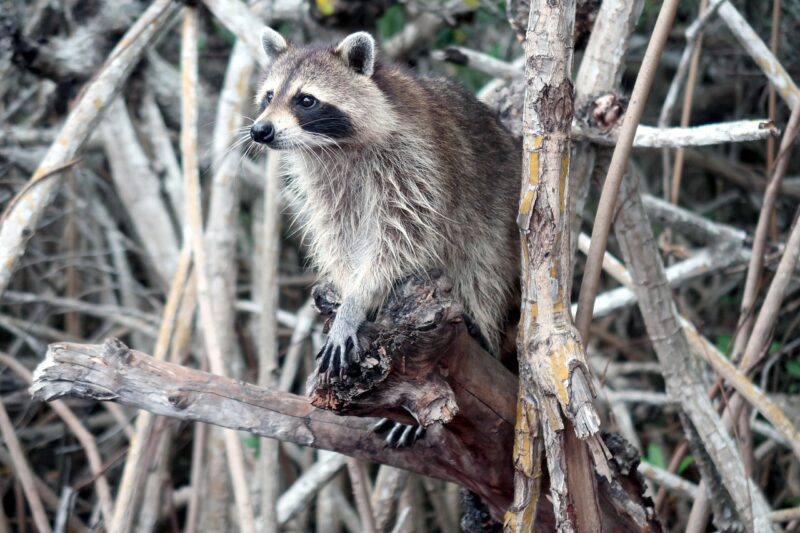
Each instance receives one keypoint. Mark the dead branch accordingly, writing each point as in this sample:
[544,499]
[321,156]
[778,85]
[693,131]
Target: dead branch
[268,258]
[422,365]
[140,196]
[113,372]
[599,73]
[722,467]
[703,262]
[421,362]
[754,46]
[706,135]
[22,471]
[26,213]
[555,414]
[220,240]
[460,55]
[760,238]
[618,165]
[194,221]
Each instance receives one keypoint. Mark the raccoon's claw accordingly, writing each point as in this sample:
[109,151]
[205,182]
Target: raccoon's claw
[399,435]
[338,354]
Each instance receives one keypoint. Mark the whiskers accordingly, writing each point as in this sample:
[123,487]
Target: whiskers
[242,147]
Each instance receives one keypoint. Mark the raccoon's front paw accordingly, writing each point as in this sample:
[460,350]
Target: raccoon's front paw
[399,435]
[341,350]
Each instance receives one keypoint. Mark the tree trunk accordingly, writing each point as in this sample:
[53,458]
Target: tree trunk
[554,412]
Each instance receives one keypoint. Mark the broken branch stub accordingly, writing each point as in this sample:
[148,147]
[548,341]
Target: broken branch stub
[408,353]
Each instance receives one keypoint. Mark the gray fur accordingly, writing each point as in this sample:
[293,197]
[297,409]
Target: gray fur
[358,50]
[273,43]
[428,179]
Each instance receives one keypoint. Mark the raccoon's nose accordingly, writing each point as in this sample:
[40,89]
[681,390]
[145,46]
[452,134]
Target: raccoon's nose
[262,132]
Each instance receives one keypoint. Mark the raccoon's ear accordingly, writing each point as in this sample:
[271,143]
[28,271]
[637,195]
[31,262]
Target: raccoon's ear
[273,43]
[358,51]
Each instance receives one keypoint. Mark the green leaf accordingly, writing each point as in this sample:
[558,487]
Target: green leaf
[254,443]
[391,22]
[723,344]
[793,501]
[655,456]
[326,7]
[225,34]
[686,463]
[793,367]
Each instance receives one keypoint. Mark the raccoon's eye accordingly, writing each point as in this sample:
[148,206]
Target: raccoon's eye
[307,101]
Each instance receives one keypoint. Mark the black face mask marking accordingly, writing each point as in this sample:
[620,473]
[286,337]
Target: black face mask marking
[325,119]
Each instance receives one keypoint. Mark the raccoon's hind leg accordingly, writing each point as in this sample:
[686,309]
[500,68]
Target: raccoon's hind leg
[341,348]
[399,435]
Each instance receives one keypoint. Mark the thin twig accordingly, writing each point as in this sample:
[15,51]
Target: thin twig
[686,112]
[23,471]
[358,480]
[754,46]
[133,474]
[268,335]
[706,135]
[762,329]
[745,387]
[753,279]
[198,446]
[189,62]
[83,435]
[618,165]
[772,98]
[33,183]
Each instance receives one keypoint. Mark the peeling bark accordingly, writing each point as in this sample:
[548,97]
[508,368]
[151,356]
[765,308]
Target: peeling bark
[555,396]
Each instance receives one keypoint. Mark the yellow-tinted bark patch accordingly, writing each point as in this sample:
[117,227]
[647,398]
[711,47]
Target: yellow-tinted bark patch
[527,461]
[562,180]
[559,369]
[533,171]
[527,202]
[553,416]
[558,307]
[523,449]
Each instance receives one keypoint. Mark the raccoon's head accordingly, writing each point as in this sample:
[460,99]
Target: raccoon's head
[313,97]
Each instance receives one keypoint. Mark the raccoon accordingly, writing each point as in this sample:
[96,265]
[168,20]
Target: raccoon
[393,175]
